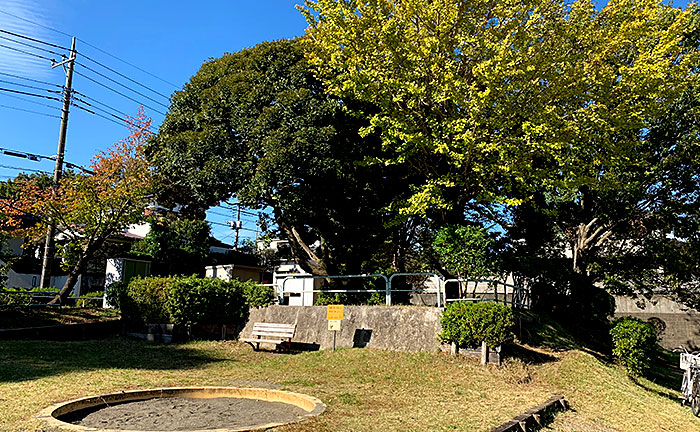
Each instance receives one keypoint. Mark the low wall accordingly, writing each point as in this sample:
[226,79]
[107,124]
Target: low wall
[401,328]
[678,324]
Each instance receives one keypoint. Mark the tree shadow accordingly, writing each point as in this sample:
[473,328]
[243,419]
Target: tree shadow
[29,359]
[526,354]
[665,373]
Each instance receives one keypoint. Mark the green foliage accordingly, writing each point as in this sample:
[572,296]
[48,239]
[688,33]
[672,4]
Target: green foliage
[193,300]
[464,250]
[258,125]
[634,343]
[257,295]
[468,324]
[181,245]
[115,293]
[21,296]
[146,299]
[91,300]
[187,300]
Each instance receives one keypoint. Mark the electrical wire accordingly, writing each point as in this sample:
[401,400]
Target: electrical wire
[32,39]
[29,94]
[29,45]
[30,79]
[23,169]
[30,111]
[119,120]
[38,157]
[123,76]
[117,92]
[32,101]
[27,52]
[34,22]
[123,123]
[120,84]
[29,86]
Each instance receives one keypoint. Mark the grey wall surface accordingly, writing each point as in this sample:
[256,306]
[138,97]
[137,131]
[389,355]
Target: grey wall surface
[678,325]
[402,328]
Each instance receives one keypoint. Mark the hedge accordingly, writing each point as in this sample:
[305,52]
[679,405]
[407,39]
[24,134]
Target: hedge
[467,324]
[634,342]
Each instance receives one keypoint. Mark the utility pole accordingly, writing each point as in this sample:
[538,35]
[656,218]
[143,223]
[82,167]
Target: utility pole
[238,223]
[58,170]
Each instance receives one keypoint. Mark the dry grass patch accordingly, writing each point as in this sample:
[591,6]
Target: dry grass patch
[364,389]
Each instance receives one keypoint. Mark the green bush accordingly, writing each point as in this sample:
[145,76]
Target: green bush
[91,300]
[145,299]
[467,324]
[194,300]
[184,300]
[634,342]
[257,295]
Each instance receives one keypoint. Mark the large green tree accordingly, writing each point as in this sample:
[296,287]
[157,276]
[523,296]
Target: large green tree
[491,100]
[258,126]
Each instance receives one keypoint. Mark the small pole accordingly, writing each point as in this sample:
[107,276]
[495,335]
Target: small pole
[484,353]
[334,332]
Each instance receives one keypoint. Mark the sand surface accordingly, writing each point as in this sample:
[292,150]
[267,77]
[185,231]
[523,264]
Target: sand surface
[173,414]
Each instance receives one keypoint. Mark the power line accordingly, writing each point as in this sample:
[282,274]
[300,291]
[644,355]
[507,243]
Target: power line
[31,101]
[34,22]
[30,79]
[29,94]
[29,45]
[30,86]
[93,100]
[30,111]
[24,169]
[121,85]
[28,53]
[127,63]
[121,121]
[118,92]
[32,39]
[37,157]
[124,76]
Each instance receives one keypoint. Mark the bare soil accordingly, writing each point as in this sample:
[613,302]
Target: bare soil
[173,414]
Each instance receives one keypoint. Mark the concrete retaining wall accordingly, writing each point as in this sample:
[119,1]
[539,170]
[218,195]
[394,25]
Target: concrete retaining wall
[402,328]
[678,325]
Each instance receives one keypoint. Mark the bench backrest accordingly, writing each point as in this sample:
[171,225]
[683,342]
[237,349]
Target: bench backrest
[274,329]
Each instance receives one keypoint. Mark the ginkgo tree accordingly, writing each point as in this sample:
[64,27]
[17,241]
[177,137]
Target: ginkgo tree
[86,210]
[490,100]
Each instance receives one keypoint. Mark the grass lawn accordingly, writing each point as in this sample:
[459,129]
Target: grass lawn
[364,389]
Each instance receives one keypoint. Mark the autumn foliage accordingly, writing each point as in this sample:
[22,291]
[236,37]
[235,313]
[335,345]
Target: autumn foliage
[86,209]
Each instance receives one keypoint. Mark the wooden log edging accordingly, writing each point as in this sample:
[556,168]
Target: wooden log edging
[534,418]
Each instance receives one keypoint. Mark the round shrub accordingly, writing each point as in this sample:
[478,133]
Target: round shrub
[145,300]
[468,324]
[634,342]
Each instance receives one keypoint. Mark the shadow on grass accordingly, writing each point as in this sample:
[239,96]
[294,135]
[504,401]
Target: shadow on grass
[666,373]
[527,355]
[26,360]
[541,331]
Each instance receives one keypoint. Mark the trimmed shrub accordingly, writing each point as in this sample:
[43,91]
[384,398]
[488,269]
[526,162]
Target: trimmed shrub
[194,300]
[145,299]
[184,300]
[634,342]
[467,324]
[257,295]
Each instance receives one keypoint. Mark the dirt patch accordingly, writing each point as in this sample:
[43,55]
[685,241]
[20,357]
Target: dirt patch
[173,414]
[13,317]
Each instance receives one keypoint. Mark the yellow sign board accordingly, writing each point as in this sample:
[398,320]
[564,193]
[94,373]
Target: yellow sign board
[335,312]
[333,325]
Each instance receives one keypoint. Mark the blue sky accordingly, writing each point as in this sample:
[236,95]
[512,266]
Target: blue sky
[169,40]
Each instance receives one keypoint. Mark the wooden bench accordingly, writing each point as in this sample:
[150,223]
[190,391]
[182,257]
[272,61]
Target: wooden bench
[279,334]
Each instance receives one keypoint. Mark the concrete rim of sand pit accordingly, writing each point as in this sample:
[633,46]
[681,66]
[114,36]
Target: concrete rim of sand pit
[311,405]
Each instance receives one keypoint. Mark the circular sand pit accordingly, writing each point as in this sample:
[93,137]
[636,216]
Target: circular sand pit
[183,409]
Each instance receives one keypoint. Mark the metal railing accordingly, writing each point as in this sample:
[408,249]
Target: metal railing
[519,296]
[514,295]
[32,295]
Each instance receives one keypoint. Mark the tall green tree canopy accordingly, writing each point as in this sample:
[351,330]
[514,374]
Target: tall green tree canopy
[490,99]
[258,126]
